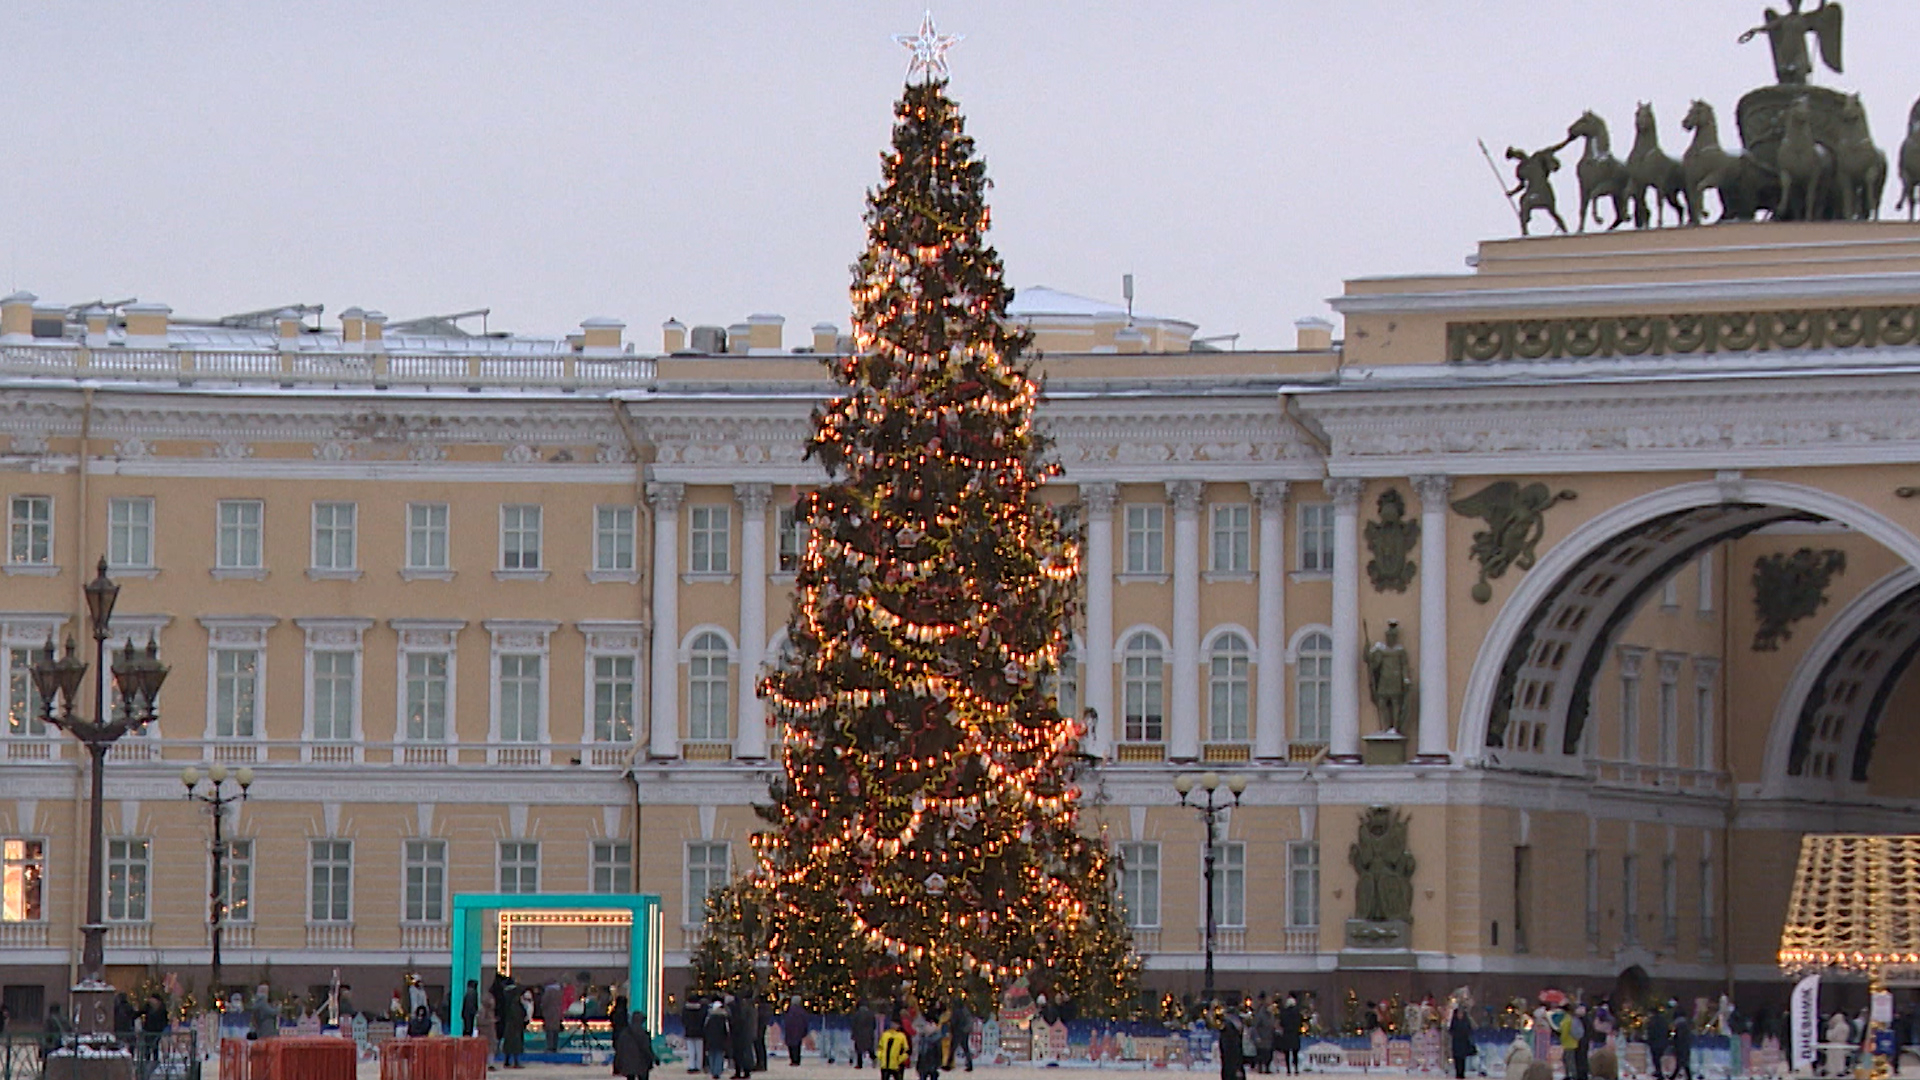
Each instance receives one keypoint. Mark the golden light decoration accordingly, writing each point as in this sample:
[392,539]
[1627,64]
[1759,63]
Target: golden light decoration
[1855,905]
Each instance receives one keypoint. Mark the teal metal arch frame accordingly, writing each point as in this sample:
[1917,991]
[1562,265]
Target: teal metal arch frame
[645,944]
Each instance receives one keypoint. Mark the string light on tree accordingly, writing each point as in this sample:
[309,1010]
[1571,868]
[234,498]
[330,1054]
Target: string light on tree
[925,824]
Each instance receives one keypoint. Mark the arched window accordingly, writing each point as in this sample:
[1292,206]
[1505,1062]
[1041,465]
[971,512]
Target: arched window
[707,667]
[1227,689]
[1313,690]
[1143,715]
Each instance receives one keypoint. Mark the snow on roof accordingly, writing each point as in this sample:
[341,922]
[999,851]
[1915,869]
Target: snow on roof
[1039,301]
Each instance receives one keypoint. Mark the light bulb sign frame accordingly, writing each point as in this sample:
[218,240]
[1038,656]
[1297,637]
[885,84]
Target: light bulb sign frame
[640,912]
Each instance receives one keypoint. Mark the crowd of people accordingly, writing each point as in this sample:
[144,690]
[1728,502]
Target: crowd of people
[729,1031]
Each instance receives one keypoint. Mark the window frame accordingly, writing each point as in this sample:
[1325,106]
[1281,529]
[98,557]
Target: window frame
[696,906]
[407,684]
[610,859]
[328,685]
[607,539]
[1316,537]
[333,530]
[338,863]
[423,535]
[1313,671]
[26,533]
[1230,884]
[17,871]
[122,870]
[238,533]
[421,857]
[1303,884]
[19,697]
[710,539]
[519,865]
[708,689]
[1143,721]
[596,682]
[519,659]
[516,533]
[237,878]
[1234,538]
[1144,544]
[1236,685]
[121,533]
[1140,864]
[794,533]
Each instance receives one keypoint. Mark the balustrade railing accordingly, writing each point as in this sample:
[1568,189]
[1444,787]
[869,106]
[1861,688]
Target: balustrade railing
[130,935]
[23,935]
[1302,940]
[372,369]
[431,937]
[329,935]
[1633,774]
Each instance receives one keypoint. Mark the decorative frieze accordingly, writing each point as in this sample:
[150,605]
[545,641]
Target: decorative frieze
[1684,334]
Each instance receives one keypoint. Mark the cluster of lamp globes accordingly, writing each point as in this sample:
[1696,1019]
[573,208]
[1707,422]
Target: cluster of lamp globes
[217,775]
[1208,782]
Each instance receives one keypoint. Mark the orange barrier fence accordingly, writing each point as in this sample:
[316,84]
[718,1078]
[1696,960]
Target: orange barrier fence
[324,1058]
[433,1059]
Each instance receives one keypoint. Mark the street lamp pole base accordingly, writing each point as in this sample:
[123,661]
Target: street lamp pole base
[82,1063]
[93,1010]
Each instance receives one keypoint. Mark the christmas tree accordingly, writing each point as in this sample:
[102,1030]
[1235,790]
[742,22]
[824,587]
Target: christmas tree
[925,826]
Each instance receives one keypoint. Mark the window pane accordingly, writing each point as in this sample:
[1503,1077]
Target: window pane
[427,536]
[427,697]
[709,866]
[236,674]
[612,866]
[23,703]
[613,694]
[334,694]
[23,865]
[613,538]
[30,530]
[708,689]
[520,698]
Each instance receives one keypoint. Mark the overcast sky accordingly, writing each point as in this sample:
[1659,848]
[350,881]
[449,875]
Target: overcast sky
[557,160]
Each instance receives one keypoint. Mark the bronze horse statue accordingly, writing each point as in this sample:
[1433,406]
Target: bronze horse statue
[1806,169]
[1649,167]
[1910,165]
[1860,166]
[1602,176]
[1741,181]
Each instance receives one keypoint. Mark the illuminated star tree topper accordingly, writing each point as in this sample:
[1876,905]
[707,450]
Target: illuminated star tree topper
[929,48]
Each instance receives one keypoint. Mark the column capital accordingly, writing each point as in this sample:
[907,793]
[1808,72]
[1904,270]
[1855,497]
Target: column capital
[753,497]
[1099,497]
[1271,494]
[1433,490]
[1185,495]
[1345,492]
[665,495]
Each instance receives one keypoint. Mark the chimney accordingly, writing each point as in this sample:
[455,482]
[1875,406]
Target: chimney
[673,336]
[709,340]
[1313,334]
[600,337]
[764,333]
[288,327]
[1129,339]
[16,318]
[98,321]
[49,322]
[147,325]
[826,338]
[376,327]
[739,338]
[353,329]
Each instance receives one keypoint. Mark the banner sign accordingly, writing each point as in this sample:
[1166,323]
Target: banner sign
[1806,1021]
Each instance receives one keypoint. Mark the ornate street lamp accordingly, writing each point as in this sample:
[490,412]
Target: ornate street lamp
[1210,811]
[215,798]
[137,677]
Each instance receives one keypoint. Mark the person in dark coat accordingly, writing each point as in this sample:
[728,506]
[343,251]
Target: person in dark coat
[693,1023]
[742,1019]
[124,1015]
[1582,1045]
[470,1007]
[1232,1049]
[793,1029]
[633,1048]
[553,1013]
[864,1032]
[513,1041]
[960,1026]
[1658,1032]
[1286,1036]
[1682,1043]
[717,1032]
[420,1024]
[1460,1036]
[617,1014]
[764,1018]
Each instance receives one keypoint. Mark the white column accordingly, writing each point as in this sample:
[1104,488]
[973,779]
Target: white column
[1269,701]
[1183,706]
[1345,745]
[750,738]
[663,721]
[1096,667]
[1434,738]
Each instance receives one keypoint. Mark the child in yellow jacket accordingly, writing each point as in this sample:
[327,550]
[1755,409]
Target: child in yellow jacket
[892,1052]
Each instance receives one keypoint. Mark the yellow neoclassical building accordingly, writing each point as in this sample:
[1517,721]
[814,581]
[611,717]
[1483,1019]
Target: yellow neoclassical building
[484,612]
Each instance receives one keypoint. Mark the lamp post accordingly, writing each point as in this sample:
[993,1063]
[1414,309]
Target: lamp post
[137,676]
[1210,811]
[216,799]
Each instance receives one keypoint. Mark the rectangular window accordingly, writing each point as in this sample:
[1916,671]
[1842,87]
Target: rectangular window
[1593,898]
[128,862]
[1146,539]
[519,696]
[1140,884]
[1316,537]
[1522,896]
[1670,594]
[1230,885]
[238,870]
[1227,696]
[426,881]
[708,691]
[240,541]
[613,692]
[1669,901]
[427,536]
[1703,599]
[334,535]
[520,538]
[709,539]
[23,875]
[709,866]
[612,867]
[30,530]
[24,713]
[236,675]
[1706,905]
[130,534]
[1313,691]
[1064,685]
[1303,884]
[334,693]
[427,696]
[519,866]
[794,533]
[1143,715]
[613,539]
[330,881]
[1232,539]
[1630,899]
[1629,718]
[1669,718]
[1703,726]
